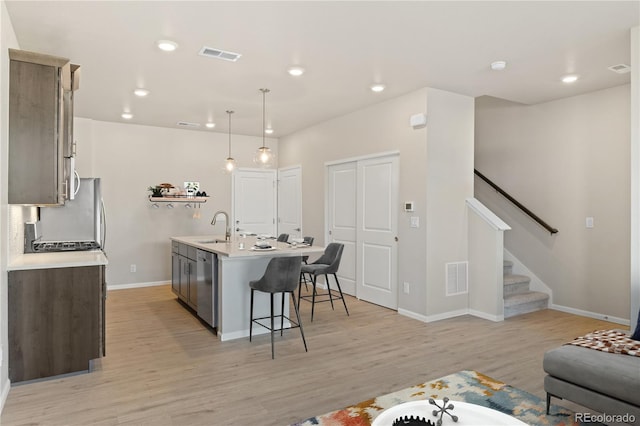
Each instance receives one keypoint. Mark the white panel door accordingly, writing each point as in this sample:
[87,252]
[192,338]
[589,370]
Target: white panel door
[290,202]
[254,202]
[341,215]
[377,230]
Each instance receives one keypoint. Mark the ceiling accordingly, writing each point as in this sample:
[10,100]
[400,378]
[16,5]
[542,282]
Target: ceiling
[343,46]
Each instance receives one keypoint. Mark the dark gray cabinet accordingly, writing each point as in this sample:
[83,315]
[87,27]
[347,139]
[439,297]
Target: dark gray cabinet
[184,282]
[56,321]
[40,128]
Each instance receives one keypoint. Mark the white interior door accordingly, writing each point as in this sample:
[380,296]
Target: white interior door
[341,218]
[290,202]
[377,230]
[254,201]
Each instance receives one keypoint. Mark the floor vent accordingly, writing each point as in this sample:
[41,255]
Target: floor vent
[457,282]
[620,68]
[219,54]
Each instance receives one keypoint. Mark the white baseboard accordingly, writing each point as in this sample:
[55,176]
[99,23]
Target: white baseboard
[5,393]
[483,315]
[447,315]
[588,314]
[413,315]
[136,285]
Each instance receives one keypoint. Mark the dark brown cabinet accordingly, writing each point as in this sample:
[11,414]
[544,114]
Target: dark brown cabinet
[56,321]
[41,143]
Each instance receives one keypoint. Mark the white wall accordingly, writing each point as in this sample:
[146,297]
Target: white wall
[385,127]
[7,40]
[129,158]
[565,160]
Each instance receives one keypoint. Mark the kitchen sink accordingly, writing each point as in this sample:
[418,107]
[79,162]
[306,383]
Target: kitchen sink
[211,241]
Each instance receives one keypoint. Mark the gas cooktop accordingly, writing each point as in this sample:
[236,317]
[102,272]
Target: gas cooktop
[51,246]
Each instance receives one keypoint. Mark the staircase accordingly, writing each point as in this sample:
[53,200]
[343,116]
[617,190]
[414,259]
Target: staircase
[518,299]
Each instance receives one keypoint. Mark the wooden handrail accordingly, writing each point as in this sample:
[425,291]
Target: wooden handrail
[541,222]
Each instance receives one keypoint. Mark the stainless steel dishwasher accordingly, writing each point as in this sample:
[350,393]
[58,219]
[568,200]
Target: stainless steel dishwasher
[207,276]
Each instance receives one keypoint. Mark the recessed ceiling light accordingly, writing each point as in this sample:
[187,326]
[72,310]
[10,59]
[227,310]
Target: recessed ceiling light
[498,65]
[296,71]
[571,78]
[268,131]
[167,45]
[127,115]
[141,92]
[210,125]
[377,87]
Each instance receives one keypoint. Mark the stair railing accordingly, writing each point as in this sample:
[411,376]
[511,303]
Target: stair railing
[515,202]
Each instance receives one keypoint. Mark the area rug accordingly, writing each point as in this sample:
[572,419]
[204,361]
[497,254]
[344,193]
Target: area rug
[468,386]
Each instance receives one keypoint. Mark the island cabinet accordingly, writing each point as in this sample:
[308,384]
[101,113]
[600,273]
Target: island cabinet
[56,320]
[184,281]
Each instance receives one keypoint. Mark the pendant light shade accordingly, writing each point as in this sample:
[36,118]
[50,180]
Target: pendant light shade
[230,163]
[264,157]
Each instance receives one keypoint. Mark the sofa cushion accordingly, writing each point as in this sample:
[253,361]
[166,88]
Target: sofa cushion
[615,375]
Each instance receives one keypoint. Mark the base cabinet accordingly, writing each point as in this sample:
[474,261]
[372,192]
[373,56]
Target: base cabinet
[56,321]
[184,282]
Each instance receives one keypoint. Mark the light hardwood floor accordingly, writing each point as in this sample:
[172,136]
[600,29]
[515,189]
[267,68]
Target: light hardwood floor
[164,368]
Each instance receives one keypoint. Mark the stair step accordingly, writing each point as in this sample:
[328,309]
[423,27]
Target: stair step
[522,303]
[507,267]
[514,284]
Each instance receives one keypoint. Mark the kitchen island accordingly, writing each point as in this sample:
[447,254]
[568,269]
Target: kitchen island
[235,263]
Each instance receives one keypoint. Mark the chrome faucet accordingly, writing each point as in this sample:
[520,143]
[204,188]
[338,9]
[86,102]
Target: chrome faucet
[227,232]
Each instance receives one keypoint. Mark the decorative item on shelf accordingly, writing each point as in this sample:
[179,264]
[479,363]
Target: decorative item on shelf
[156,191]
[442,410]
[264,157]
[229,163]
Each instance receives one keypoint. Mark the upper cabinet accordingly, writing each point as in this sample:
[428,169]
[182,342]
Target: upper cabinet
[41,145]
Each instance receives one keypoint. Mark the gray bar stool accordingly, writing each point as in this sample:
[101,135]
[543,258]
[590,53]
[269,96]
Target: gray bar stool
[281,276]
[326,264]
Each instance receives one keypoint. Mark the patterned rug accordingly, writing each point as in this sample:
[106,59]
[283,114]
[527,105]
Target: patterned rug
[468,386]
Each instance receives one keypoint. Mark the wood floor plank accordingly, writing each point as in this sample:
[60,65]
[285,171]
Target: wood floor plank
[163,367]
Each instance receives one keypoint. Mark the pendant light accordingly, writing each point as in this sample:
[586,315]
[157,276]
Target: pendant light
[263,156]
[230,163]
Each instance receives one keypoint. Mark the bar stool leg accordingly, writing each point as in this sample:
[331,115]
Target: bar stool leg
[282,313]
[313,297]
[295,306]
[341,295]
[326,278]
[251,316]
[272,351]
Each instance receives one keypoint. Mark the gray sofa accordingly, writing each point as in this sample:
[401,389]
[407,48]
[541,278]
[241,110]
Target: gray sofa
[604,382]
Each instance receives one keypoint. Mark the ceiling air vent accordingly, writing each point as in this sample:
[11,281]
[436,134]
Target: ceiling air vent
[620,68]
[187,124]
[219,54]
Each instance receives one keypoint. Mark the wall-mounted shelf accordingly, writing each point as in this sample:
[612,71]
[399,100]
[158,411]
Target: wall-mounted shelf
[183,199]
[188,202]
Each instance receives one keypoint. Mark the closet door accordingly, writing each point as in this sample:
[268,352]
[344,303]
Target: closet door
[341,219]
[254,202]
[377,230]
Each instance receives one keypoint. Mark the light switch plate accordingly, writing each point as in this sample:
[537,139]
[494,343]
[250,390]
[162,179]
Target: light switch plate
[589,222]
[415,221]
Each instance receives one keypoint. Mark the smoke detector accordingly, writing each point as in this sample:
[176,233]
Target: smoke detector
[620,68]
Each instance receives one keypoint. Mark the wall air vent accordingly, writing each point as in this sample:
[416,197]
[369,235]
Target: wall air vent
[219,54]
[457,278]
[187,124]
[620,68]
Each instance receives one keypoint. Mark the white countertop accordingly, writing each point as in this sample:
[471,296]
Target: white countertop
[232,248]
[66,259]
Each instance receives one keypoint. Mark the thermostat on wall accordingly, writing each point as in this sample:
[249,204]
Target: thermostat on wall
[408,206]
